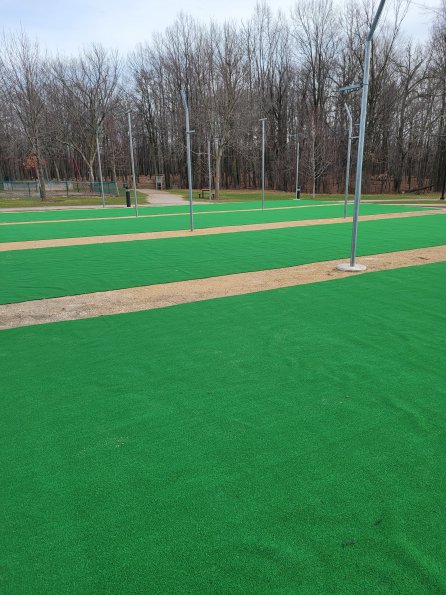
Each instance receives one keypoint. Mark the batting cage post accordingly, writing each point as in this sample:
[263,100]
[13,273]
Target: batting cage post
[352,266]
[100,166]
[189,162]
[263,120]
[349,151]
[132,160]
[209,166]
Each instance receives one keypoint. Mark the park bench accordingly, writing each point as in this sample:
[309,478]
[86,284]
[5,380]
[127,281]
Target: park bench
[423,189]
[204,193]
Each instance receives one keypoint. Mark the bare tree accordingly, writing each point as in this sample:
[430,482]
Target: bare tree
[87,90]
[288,70]
[23,81]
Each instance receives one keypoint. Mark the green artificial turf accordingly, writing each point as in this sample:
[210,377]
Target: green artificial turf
[291,441]
[53,272]
[71,229]
[99,213]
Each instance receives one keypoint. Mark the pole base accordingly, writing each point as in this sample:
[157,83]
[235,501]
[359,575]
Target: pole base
[346,267]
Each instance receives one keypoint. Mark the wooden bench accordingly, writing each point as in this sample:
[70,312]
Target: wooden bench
[423,189]
[204,193]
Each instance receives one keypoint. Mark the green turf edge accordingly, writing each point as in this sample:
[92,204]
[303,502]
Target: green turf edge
[51,215]
[285,441]
[53,272]
[98,227]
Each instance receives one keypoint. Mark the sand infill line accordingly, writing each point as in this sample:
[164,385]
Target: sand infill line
[157,235]
[92,305]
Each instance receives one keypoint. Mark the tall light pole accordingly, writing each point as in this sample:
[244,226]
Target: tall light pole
[443,188]
[297,168]
[349,150]
[263,120]
[132,159]
[100,166]
[189,162]
[296,136]
[352,265]
[209,167]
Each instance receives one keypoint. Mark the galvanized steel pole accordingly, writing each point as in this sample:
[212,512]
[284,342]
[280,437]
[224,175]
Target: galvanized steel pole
[132,159]
[444,185]
[362,125]
[263,120]
[209,167]
[297,168]
[189,162]
[100,167]
[349,150]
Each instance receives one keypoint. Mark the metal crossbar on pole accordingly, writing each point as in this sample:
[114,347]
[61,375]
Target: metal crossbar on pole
[353,266]
[189,161]
[100,167]
[263,120]
[349,150]
[132,159]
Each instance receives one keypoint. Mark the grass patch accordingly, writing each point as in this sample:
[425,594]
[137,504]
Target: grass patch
[237,195]
[53,272]
[62,201]
[97,227]
[247,195]
[265,443]
[100,213]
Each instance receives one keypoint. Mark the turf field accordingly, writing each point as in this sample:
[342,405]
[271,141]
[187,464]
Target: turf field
[53,272]
[264,443]
[97,227]
[101,213]
[286,441]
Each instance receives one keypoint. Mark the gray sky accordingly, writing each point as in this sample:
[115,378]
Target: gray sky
[66,26]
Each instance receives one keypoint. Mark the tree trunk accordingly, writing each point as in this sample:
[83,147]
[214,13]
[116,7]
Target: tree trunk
[42,187]
[57,171]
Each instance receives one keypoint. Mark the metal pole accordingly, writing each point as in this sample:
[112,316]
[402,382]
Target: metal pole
[132,159]
[349,150]
[297,169]
[100,167]
[362,125]
[209,167]
[189,162]
[444,185]
[263,120]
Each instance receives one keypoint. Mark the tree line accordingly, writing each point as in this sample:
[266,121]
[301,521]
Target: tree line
[287,68]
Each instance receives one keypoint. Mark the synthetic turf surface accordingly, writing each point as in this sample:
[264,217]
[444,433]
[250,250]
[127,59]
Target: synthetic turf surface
[145,210]
[52,272]
[289,441]
[71,229]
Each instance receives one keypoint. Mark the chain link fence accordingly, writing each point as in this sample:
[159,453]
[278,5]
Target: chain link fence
[55,188]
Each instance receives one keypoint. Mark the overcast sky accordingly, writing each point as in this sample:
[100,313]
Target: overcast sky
[67,25]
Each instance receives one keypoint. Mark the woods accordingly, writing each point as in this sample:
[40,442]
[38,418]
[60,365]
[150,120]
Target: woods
[285,68]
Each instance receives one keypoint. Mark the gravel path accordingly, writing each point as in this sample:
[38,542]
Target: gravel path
[163,198]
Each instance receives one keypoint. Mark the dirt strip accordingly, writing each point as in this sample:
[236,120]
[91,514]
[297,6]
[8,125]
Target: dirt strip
[156,235]
[92,305]
[184,213]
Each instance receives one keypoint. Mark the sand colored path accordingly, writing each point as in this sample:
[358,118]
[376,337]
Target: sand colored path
[135,299]
[162,197]
[156,235]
